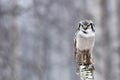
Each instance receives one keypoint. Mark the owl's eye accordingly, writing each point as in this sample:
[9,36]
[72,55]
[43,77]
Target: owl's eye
[84,27]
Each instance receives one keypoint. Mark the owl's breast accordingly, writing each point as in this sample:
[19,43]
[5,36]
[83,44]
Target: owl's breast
[84,42]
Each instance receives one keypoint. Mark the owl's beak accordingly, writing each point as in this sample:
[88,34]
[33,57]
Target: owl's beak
[85,27]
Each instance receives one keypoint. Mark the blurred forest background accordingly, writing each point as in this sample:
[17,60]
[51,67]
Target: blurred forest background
[36,38]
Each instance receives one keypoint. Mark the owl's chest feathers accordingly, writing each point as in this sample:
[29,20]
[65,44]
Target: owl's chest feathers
[85,41]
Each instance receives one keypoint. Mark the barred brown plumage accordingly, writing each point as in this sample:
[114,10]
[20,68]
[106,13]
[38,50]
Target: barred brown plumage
[83,44]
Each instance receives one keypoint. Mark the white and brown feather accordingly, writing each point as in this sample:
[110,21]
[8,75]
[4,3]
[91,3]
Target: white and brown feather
[83,46]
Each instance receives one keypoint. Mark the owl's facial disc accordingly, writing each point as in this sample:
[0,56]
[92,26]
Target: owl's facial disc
[92,27]
[86,26]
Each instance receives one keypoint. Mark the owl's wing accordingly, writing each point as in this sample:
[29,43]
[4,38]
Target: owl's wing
[75,48]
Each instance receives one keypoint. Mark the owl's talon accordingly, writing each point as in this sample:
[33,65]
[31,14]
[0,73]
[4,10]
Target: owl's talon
[91,66]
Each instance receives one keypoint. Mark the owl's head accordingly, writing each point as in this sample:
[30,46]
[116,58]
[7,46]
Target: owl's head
[86,26]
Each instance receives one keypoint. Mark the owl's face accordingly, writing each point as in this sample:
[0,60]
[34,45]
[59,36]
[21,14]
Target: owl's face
[86,26]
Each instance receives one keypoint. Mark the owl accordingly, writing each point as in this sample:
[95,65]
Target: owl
[83,43]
